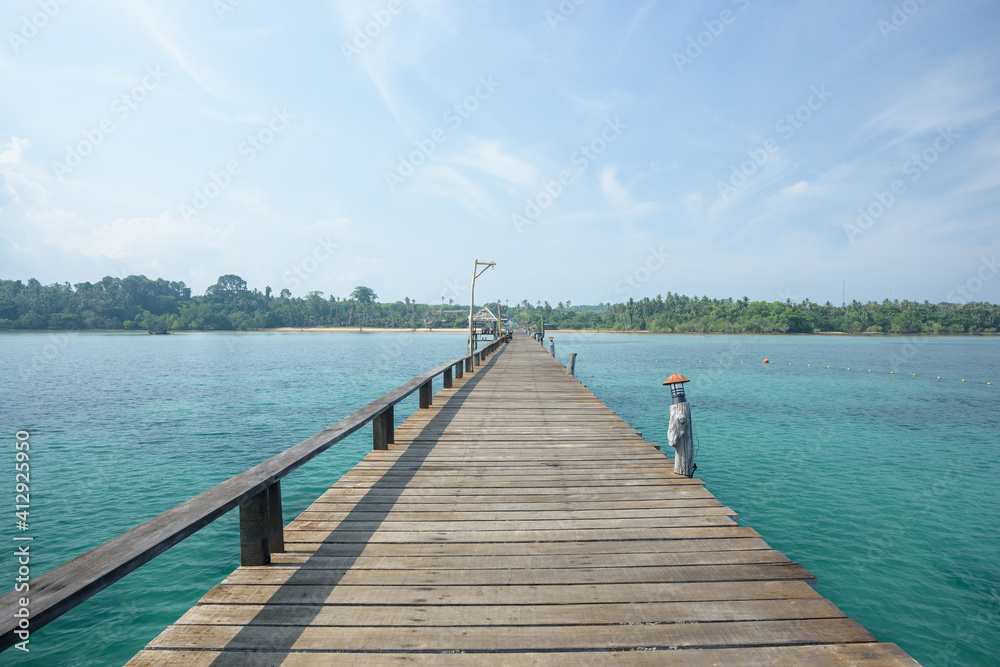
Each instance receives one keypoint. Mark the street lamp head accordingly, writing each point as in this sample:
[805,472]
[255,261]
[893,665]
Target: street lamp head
[676,382]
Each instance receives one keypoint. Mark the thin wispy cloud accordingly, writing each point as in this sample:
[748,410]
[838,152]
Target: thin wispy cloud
[594,143]
[956,94]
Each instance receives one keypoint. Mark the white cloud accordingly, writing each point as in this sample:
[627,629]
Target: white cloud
[953,95]
[160,26]
[376,42]
[692,203]
[637,20]
[797,191]
[620,196]
[62,242]
[493,158]
[613,190]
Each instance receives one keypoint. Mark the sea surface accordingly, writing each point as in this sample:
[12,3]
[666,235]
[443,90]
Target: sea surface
[846,453]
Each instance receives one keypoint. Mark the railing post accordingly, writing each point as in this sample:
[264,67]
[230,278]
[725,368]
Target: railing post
[275,525]
[571,363]
[552,347]
[425,395]
[447,378]
[255,547]
[459,367]
[468,364]
[383,429]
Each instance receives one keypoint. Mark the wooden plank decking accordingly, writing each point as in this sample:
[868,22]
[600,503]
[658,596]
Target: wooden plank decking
[518,521]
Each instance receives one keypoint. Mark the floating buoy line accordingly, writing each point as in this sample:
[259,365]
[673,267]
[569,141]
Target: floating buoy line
[870,370]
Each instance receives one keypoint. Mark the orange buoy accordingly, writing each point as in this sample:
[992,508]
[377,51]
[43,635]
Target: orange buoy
[767,361]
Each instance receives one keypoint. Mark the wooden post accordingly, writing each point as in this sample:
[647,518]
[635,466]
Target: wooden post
[255,547]
[275,525]
[552,347]
[459,367]
[472,299]
[425,395]
[477,360]
[468,364]
[383,429]
[571,363]
[447,378]
[679,436]
[472,304]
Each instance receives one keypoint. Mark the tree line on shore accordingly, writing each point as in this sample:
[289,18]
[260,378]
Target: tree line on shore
[139,303]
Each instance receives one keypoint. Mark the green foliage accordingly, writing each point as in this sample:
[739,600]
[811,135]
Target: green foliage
[364,294]
[682,314]
[136,302]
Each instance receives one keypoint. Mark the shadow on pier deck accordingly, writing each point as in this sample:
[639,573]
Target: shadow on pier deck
[518,520]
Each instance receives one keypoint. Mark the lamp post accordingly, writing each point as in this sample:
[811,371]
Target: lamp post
[476,272]
[679,432]
[676,384]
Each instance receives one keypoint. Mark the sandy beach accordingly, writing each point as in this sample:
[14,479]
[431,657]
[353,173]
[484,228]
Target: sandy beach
[364,330]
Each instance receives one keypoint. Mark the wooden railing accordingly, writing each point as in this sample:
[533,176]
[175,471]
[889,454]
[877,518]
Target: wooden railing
[257,492]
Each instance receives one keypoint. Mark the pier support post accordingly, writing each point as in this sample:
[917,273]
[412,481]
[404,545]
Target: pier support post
[425,395]
[468,365]
[275,525]
[679,431]
[447,378]
[255,529]
[383,429]
[679,436]
[459,368]
[571,363]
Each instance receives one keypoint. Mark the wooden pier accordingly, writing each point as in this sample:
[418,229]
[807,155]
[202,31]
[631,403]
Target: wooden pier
[517,520]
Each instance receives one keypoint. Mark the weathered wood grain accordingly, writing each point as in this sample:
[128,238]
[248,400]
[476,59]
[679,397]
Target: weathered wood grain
[816,655]
[518,520]
[62,588]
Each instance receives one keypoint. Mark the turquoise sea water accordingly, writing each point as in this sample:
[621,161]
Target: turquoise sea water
[883,485]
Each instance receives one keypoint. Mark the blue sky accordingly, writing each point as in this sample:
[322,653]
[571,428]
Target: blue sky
[595,150]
